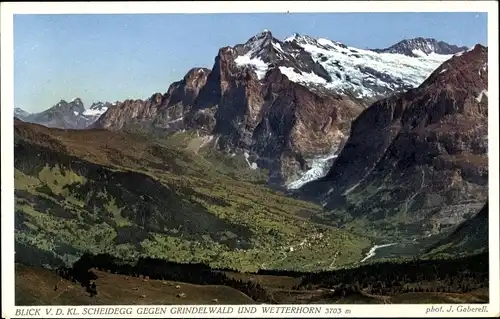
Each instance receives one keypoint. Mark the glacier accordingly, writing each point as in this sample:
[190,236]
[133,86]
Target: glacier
[355,71]
[319,166]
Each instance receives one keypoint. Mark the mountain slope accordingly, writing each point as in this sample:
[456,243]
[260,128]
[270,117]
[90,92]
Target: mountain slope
[417,160]
[279,102]
[367,74]
[469,237]
[133,195]
[35,286]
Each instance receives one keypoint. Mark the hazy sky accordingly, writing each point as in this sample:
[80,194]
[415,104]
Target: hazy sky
[113,57]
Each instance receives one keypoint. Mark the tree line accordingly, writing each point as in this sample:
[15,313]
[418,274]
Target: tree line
[391,278]
[386,278]
[159,269]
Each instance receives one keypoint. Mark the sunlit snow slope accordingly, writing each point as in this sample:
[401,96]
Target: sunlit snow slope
[335,66]
[318,168]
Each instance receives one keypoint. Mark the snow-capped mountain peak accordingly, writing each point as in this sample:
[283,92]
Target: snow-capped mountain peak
[304,40]
[68,115]
[20,113]
[74,106]
[259,45]
[420,46]
[263,51]
[97,109]
[325,64]
[298,38]
[258,52]
[292,37]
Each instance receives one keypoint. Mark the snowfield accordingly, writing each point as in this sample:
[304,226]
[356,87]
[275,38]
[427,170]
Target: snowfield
[96,109]
[319,168]
[363,73]
[95,112]
[260,67]
[353,69]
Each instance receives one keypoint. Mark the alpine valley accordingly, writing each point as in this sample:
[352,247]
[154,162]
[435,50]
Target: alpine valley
[299,170]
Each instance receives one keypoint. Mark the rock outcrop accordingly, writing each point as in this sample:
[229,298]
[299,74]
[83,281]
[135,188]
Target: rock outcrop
[163,110]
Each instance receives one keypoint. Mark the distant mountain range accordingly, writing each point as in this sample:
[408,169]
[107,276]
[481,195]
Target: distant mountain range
[66,115]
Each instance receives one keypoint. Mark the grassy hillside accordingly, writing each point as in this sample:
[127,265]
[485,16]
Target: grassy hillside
[116,289]
[171,197]
[470,237]
[36,286]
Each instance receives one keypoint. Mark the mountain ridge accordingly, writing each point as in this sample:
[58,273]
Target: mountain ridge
[231,101]
[431,141]
[266,47]
[416,46]
[66,115]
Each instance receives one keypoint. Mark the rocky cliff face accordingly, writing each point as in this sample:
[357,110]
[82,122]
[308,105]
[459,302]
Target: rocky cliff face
[129,110]
[418,156]
[298,124]
[281,102]
[163,110]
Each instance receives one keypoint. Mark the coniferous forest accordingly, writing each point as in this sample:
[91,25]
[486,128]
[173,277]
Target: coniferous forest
[387,279]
